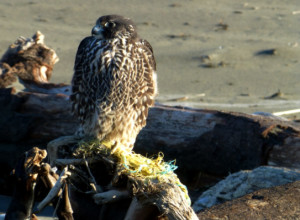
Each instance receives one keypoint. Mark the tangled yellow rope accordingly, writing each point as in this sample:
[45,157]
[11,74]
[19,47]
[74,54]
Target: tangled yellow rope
[137,165]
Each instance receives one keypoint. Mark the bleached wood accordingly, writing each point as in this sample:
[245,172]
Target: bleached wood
[55,191]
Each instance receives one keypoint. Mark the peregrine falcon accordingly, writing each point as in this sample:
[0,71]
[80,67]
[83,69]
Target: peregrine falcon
[114,82]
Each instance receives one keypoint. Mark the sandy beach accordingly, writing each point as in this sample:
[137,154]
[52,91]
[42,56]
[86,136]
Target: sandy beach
[228,55]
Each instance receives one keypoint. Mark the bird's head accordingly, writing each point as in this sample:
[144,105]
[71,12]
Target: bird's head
[110,26]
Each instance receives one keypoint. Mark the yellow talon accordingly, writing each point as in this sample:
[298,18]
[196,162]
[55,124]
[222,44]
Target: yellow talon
[107,144]
[114,148]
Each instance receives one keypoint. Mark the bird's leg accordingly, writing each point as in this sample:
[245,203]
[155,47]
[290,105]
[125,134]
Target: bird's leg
[108,144]
[119,146]
[112,145]
[115,147]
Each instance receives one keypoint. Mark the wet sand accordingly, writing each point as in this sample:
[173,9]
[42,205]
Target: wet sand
[226,55]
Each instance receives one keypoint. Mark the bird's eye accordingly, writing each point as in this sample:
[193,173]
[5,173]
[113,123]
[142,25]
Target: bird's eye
[110,24]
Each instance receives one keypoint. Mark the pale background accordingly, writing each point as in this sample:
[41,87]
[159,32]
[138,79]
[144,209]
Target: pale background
[181,32]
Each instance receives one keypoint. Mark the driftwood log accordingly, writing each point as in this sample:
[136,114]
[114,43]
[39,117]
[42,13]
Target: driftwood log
[30,175]
[131,196]
[31,62]
[206,144]
[25,176]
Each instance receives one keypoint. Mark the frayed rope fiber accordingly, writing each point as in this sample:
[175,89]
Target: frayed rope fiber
[136,165]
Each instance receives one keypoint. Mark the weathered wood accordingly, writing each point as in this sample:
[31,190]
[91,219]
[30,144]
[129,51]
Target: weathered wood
[110,196]
[203,142]
[48,180]
[31,173]
[167,198]
[30,60]
[25,175]
[281,202]
[55,190]
[215,143]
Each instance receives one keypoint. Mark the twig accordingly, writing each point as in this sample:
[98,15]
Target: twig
[48,178]
[295,12]
[81,161]
[94,184]
[288,112]
[66,162]
[55,190]
[59,200]
[54,144]
[110,196]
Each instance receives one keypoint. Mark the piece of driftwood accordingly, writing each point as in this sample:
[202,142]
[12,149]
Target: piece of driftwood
[205,143]
[55,190]
[48,180]
[281,202]
[168,199]
[110,196]
[32,62]
[32,175]
[25,175]
[135,197]
[151,200]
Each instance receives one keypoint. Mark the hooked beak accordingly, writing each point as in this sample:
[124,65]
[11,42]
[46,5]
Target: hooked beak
[97,31]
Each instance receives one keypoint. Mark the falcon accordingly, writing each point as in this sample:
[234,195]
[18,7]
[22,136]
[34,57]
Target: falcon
[114,82]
